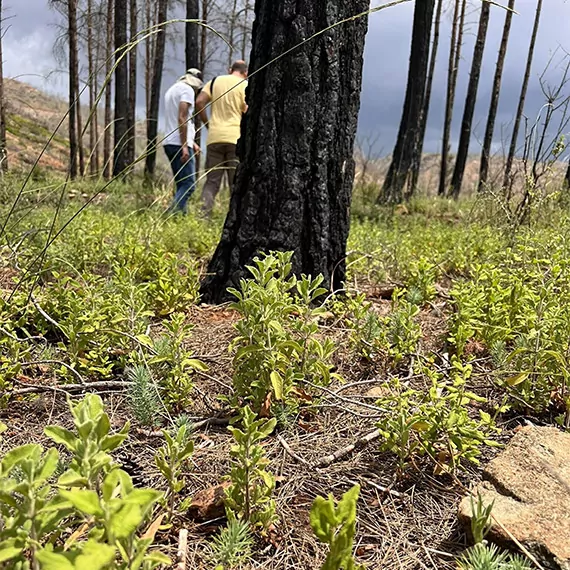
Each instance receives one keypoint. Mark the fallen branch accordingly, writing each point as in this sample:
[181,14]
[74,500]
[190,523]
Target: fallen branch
[381,488]
[182,549]
[66,388]
[290,452]
[341,453]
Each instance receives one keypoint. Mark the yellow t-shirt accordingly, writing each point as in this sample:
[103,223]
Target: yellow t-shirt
[226,110]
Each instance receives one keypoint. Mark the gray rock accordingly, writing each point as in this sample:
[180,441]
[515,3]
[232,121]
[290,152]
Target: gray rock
[529,483]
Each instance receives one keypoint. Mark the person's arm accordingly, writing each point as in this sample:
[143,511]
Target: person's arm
[183,112]
[202,102]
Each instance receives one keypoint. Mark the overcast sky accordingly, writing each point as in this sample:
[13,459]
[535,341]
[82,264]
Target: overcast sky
[28,56]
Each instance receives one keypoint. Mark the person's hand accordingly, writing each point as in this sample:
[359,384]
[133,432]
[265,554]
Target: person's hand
[185,157]
[197,149]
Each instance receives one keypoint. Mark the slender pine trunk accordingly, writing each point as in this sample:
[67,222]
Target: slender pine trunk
[152,118]
[107,153]
[452,74]
[73,70]
[416,167]
[133,57]
[495,96]
[508,179]
[3,148]
[470,101]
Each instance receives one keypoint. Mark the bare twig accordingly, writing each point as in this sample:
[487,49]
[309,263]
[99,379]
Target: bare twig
[59,363]
[341,453]
[290,452]
[66,388]
[182,549]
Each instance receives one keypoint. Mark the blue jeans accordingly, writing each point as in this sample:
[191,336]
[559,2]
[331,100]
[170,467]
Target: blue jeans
[184,176]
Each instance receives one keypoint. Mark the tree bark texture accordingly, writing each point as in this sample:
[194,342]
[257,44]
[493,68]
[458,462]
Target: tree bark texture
[452,73]
[73,87]
[495,96]
[107,153]
[294,184]
[470,101]
[3,148]
[157,68]
[417,164]
[121,157]
[132,110]
[408,136]
[508,178]
[92,86]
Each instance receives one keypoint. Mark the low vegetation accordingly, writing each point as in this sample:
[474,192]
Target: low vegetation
[452,326]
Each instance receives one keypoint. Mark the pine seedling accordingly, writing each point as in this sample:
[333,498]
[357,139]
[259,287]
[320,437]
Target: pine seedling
[335,524]
[233,545]
[249,498]
[143,395]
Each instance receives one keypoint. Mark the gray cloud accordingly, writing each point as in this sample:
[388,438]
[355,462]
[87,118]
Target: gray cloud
[32,30]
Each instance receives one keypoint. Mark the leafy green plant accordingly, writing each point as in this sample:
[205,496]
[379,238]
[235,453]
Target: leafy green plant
[93,498]
[489,557]
[91,445]
[232,546]
[278,347]
[170,460]
[249,497]
[172,364]
[435,422]
[335,524]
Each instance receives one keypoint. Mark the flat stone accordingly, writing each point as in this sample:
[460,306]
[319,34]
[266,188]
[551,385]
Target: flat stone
[529,484]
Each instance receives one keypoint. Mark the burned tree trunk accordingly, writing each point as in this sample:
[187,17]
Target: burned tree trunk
[133,63]
[3,148]
[192,35]
[294,184]
[121,157]
[452,73]
[108,120]
[407,145]
[417,162]
[470,101]
[508,180]
[73,88]
[157,67]
[495,95]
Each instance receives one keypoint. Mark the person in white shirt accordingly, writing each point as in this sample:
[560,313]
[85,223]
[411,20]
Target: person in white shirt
[179,144]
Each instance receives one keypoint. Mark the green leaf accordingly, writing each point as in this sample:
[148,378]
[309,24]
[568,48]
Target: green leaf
[17,455]
[83,500]
[61,436]
[9,550]
[277,384]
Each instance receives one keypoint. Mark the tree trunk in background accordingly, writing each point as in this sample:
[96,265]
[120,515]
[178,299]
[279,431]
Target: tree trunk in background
[204,36]
[152,118]
[93,166]
[233,15]
[107,154]
[417,164]
[193,58]
[73,86]
[452,73]
[192,35]
[294,184]
[3,148]
[408,135]
[567,177]
[495,96]
[246,32]
[132,111]
[470,101]
[121,157]
[508,178]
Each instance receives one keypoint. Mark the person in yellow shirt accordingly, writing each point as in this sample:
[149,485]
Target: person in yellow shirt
[225,95]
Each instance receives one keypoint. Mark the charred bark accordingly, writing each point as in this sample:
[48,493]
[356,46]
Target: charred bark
[407,143]
[470,101]
[294,184]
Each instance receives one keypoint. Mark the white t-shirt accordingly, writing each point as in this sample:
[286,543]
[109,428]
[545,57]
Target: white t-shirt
[178,93]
